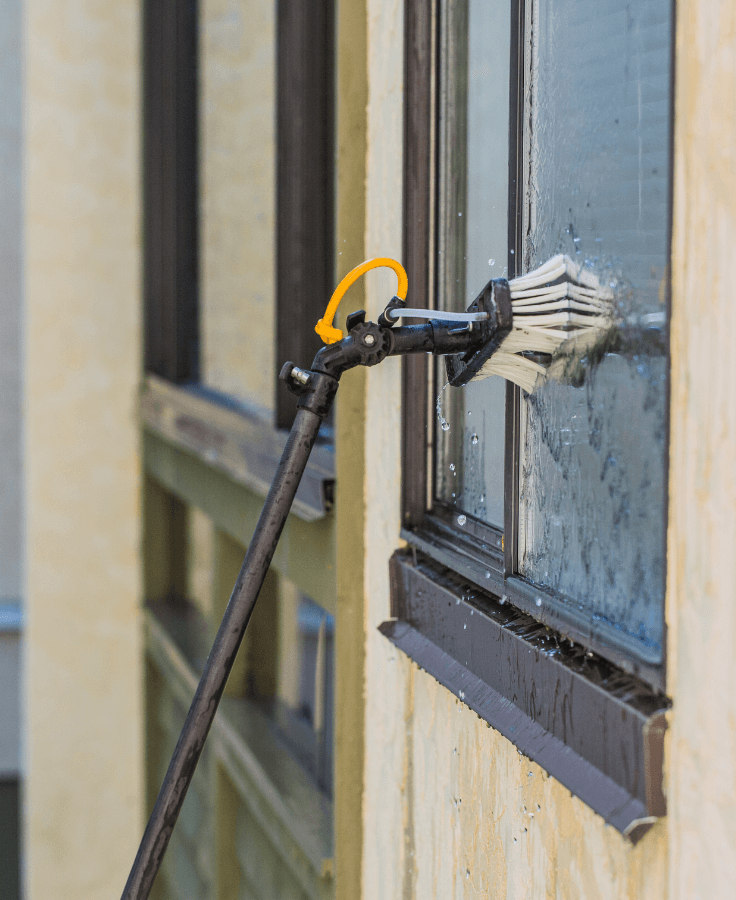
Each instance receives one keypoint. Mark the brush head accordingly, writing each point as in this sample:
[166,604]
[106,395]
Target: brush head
[495,300]
[559,310]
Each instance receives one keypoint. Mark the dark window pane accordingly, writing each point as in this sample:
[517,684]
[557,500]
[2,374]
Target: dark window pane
[10,839]
[593,456]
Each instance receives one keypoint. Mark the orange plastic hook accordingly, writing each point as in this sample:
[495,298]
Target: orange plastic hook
[324,327]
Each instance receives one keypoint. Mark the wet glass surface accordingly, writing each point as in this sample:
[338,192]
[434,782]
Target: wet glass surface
[473,243]
[592,524]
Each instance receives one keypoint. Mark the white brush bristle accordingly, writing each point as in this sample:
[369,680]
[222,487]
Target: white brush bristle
[556,303]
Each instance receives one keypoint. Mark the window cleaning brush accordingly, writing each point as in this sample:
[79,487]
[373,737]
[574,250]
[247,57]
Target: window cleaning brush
[546,315]
[558,309]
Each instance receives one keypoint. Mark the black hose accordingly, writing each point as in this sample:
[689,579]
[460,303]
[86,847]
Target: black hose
[222,656]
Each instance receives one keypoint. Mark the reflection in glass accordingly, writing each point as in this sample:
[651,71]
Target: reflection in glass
[473,244]
[304,704]
[593,455]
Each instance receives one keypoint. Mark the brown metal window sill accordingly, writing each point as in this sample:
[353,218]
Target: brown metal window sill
[478,557]
[596,729]
[235,440]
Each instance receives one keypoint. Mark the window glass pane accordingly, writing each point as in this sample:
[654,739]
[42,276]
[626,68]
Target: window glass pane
[593,456]
[473,239]
[237,198]
[303,706]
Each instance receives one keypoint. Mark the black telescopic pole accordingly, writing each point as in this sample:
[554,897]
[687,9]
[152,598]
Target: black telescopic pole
[222,656]
[366,345]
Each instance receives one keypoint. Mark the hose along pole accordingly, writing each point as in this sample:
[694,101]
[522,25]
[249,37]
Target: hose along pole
[222,656]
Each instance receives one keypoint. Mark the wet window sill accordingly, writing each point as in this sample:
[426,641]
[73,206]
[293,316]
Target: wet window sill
[234,439]
[596,729]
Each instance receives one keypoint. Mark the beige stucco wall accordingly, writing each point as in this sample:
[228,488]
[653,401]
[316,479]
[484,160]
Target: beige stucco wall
[83,801]
[237,197]
[702,534]
[447,802]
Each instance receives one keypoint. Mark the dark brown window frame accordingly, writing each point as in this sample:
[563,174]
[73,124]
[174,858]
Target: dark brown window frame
[304,187]
[304,183]
[446,576]
[225,433]
[479,549]
[170,189]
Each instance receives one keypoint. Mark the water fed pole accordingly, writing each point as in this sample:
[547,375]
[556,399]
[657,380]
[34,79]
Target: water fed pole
[469,342]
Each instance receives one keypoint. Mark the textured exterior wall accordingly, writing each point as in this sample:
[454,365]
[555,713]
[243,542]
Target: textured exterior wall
[83,803]
[238,193]
[450,808]
[702,534]
[352,93]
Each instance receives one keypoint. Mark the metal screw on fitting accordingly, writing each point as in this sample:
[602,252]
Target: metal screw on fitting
[369,340]
[300,375]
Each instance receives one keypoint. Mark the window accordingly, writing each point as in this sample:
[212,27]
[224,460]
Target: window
[238,171]
[537,128]
[238,165]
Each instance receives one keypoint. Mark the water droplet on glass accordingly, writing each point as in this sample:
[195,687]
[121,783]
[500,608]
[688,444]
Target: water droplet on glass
[459,214]
[538,601]
[514,840]
[511,252]
[474,439]
[444,424]
[482,498]
[491,262]
[461,519]
[488,574]
[452,467]
[467,873]
[503,599]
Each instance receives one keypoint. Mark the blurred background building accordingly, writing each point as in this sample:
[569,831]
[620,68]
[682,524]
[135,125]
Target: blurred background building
[490,662]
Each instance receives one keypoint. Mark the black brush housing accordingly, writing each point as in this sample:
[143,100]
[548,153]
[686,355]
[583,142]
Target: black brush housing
[494,299]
